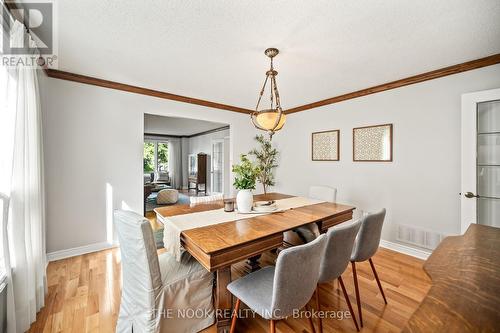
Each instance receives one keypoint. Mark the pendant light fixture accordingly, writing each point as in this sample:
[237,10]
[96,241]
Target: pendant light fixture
[273,118]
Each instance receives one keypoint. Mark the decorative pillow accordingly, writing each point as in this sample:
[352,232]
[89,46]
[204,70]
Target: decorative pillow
[167,196]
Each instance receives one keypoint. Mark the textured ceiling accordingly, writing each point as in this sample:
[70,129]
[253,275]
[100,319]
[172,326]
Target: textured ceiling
[214,49]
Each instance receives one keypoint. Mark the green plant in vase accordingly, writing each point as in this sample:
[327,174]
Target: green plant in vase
[245,178]
[267,160]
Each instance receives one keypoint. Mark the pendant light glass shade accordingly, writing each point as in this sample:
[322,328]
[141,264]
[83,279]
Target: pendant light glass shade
[266,119]
[273,118]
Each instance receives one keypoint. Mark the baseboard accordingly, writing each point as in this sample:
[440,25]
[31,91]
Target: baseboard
[411,251]
[76,251]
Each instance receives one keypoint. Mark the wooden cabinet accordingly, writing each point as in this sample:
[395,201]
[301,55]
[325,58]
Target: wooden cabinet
[197,176]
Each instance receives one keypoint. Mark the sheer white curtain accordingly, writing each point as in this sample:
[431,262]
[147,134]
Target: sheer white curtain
[175,162]
[6,270]
[22,180]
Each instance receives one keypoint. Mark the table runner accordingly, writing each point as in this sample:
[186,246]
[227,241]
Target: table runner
[174,225]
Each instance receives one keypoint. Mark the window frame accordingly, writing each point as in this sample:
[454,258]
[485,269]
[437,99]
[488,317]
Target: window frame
[155,154]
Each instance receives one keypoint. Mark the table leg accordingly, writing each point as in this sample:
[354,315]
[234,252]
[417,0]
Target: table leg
[224,300]
[252,264]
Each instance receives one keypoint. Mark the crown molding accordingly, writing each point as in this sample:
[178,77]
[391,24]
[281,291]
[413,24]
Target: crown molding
[62,75]
[167,136]
[450,70]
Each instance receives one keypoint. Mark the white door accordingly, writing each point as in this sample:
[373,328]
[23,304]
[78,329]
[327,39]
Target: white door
[480,190]
[218,165]
[227,166]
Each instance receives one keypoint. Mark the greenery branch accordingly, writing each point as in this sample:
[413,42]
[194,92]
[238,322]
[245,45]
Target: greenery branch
[266,161]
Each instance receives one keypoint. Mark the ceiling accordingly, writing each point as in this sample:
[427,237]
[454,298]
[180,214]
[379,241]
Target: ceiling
[214,50]
[154,124]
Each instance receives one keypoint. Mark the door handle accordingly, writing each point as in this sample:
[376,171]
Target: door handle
[471,195]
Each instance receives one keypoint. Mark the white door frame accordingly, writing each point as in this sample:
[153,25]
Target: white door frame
[468,212]
[212,166]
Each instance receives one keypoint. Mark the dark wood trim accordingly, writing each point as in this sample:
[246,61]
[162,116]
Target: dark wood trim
[57,74]
[209,131]
[329,222]
[166,136]
[450,70]
[338,144]
[371,126]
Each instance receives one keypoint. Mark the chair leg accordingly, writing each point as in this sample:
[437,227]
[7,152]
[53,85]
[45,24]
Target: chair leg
[356,287]
[348,302]
[311,324]
[318,307]
[235,315]
[273,326]
[376,278]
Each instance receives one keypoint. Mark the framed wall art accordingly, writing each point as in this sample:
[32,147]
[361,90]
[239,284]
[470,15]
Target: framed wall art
[325,145]
[372,143]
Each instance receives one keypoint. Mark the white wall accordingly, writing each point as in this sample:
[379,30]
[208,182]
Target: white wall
[421,187]
[94,136]
[203,144]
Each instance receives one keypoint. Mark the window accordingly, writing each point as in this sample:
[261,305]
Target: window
[155,157]
[162,158]
[149,157]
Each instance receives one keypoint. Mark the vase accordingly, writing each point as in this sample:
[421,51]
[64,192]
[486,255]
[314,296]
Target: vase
[244,201]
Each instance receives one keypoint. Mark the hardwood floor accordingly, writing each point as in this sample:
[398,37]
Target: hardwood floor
[84,296]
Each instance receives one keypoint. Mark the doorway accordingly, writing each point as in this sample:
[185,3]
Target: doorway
[217,172]
[480,195]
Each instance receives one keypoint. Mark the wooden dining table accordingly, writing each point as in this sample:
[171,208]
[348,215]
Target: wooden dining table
[218,246]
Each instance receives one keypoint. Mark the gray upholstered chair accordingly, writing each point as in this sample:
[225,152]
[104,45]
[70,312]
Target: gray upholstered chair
[157,288]
[276,292]
[366,246]
[339,244]
[309,232]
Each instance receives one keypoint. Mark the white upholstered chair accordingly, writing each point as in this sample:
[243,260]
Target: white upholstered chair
[309,232]
[158,289]
[207,198]
[325,193]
